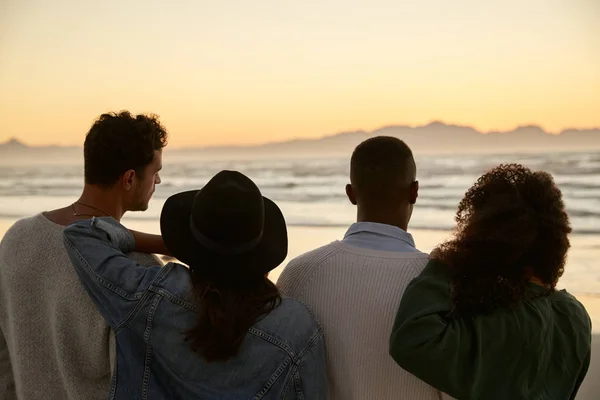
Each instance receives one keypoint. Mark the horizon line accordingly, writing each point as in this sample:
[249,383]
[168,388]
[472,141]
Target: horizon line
[294,139]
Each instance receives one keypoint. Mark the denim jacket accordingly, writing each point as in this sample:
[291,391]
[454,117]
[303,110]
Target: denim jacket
[150,309]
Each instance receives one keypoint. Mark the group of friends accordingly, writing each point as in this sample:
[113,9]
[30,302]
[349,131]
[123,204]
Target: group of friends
[88,311]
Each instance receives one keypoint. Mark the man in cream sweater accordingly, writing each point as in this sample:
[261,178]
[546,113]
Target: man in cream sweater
[354,286]
[54,344]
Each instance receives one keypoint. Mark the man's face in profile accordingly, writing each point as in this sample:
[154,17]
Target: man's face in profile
[145,184]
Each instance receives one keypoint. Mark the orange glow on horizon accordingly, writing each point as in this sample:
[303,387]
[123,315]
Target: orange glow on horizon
[276,71]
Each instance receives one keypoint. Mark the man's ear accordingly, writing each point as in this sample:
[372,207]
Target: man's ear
[414,192]
[350,194]
[127,179]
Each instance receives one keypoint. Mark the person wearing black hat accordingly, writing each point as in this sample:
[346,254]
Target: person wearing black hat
[218,329]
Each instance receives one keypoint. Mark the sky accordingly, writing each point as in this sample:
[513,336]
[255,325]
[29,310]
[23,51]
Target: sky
[242,72]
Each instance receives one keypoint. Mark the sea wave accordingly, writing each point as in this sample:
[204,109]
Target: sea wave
[312,190]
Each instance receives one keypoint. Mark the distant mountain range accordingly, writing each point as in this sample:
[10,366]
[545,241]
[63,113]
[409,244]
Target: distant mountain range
[436,137]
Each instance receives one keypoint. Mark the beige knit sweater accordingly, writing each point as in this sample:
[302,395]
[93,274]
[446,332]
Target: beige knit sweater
[354,294]
[54,344]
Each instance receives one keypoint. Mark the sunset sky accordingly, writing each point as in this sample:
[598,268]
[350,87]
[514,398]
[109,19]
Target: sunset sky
[224,72]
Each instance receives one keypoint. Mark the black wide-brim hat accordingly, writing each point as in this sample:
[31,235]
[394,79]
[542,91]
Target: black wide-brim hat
[226,230]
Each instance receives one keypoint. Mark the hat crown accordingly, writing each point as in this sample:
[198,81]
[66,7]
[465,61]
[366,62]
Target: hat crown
[229,210]
[226,231]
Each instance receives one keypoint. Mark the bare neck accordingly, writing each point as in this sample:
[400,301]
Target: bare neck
[98,200]
[93,202]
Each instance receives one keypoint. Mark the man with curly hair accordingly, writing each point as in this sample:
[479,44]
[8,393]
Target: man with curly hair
[54,344]
[354,285]
[484,319]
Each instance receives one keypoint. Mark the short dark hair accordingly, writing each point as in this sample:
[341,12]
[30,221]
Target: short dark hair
[118,142]
[511,224]
[380,165]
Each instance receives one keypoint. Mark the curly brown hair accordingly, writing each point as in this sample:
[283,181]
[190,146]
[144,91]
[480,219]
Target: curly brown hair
[511,227]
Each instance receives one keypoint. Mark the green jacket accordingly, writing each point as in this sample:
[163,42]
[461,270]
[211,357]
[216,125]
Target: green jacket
[538,350]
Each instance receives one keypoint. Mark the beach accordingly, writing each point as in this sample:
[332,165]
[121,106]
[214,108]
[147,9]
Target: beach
[585,251]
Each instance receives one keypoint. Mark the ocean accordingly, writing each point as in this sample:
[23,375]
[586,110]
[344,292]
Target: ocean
[311,191]
[311,195]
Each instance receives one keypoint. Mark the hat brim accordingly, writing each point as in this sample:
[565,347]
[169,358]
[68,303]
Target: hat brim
[269,253]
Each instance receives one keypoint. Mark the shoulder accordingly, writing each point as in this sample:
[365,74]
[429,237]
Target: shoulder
[302,314]
[567,304]
[436,268]
[309,261]
[316,256]
[300,270]
[556,320]
[175,284]
[418,261]
[292,324]
[25,226]
[27,223]
[290,312]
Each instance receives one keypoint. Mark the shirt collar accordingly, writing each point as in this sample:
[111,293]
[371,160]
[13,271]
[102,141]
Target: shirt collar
[380,229]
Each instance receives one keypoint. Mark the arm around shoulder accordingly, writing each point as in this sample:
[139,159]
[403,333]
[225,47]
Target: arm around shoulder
[115,282]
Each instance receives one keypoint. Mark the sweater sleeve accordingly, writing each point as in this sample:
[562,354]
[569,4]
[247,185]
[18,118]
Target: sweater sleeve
[7,381]
[427,342]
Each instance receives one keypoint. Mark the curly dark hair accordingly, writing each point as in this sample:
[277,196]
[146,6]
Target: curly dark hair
[511,227]
[119,142]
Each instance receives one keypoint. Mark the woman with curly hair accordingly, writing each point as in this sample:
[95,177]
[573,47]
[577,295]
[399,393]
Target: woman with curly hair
[484,320]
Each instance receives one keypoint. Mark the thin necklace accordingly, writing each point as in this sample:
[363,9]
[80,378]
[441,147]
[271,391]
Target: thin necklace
[76,214]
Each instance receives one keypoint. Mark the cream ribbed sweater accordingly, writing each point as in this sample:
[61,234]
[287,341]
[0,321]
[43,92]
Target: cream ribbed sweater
[354,294]
[54,344]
